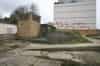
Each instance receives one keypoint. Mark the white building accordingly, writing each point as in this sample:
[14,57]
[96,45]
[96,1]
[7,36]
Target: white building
[75,14]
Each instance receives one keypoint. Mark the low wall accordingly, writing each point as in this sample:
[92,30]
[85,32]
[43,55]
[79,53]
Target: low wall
[7,29]
[28,29]
[7,37]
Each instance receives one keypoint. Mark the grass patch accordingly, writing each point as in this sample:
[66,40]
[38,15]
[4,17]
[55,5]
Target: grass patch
[74,38]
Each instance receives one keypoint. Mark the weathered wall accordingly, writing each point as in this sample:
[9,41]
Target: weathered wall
[87,32]
[28,28]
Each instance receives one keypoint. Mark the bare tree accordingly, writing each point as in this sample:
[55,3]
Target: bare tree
[22,12]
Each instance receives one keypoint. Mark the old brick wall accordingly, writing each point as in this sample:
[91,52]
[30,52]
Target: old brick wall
[28,28]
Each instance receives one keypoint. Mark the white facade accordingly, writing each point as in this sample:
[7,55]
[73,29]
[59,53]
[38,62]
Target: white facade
[7,29]
[80,14]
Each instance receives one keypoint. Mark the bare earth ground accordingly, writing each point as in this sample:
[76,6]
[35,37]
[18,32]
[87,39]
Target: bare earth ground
[15,54]
[19,57]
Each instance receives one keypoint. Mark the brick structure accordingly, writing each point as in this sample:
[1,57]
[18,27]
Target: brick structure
[28,28]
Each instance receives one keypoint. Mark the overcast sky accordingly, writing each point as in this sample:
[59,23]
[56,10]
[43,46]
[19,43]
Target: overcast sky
[45,8]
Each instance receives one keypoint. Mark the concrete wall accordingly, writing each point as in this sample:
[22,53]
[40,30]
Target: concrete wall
[7,29]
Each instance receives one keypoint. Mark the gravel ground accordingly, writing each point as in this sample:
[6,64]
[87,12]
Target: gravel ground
[14,53]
